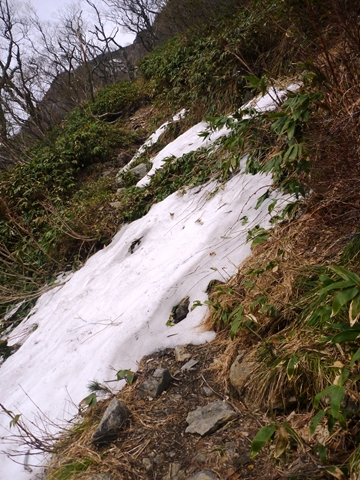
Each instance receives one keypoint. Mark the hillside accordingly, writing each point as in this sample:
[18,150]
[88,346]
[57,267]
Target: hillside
[264,201]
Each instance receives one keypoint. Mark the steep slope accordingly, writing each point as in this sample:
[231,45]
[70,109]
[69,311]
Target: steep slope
[115,309]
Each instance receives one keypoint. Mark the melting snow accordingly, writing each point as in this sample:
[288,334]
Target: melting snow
[114,310]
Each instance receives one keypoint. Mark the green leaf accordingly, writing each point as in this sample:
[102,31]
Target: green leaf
[354,310]
[15,420]
[322,453]
[345,372]
[291,366]
[260,439]
[346,336]
[337,397]
[346,274]
[355,357]
[272,205]
[261,238]
[342,298]
[90,400]
[262,199]
[127,375]
[314,422]
[336,286]
[335,472]
[331,423]
[323,393]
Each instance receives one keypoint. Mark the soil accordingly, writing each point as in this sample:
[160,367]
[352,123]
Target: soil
[154,444]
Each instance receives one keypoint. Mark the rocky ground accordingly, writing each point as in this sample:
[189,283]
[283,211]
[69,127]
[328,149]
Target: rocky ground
[160,440]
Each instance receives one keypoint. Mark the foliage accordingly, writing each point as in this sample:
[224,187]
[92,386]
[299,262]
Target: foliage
[116,100]
[70,469]
[126,375]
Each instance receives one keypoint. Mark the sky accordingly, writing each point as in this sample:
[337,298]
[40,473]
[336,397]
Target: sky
[48,10]
[114,310]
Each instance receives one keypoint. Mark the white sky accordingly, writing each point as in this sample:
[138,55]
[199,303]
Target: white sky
[48,10]
[114,310]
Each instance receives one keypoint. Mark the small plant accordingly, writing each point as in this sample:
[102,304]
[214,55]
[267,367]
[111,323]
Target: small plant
[126,375]
[283,433]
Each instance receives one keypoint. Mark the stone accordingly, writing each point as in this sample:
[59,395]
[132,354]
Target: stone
[180,311]
[203,475]
[240,371]
[148,464]
[174,469]
[206,391]
[113,419]
[181,355]
[156,384]
[103,476]
[189,366]
[208,419]
[139,171]
[115,204]
[122,159]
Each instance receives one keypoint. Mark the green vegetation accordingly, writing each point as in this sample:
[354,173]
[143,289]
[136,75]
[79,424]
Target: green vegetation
[297,299]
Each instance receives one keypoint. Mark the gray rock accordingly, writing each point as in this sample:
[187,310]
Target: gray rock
[139,171]
[103,476]
[240,371]
[113,419]
[174,469]
[203,475]
[208,419]
[181,355]
[180,311]
[159,459]
[122,159]
[155,385]
[206,391]
[189,365]
[148,464]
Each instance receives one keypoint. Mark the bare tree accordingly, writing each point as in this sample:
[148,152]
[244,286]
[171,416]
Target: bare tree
[136,16]
[17,99]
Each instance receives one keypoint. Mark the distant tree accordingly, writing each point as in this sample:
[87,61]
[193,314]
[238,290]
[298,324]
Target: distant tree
[136,16]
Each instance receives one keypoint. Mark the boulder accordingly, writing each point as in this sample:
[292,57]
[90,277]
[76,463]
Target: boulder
[240,371]
[113,419]
[203,475]
[156,384]
[208,419]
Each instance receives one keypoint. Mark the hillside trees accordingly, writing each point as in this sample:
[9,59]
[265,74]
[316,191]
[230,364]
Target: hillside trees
[137,16]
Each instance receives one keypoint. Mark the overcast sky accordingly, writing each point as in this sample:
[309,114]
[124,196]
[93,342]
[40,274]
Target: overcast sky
[49,10]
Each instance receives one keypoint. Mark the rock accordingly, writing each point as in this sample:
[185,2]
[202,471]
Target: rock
[174,469]
[206,391]
[106,173]
[240,371]
[113,419]
[139,171]
[204,475]
[189,365]
[122,159]
[159,459]
[181,355]
[155,385]
[148,464]
[208,419]
[135,173]
[180,311]
[103,476]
